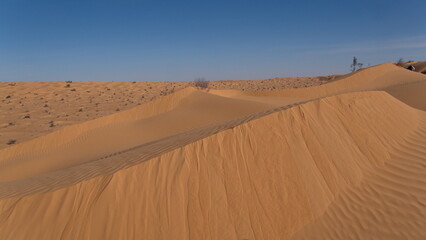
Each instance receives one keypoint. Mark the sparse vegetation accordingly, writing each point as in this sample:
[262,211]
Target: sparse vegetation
[68,81]
[400,62]
[201,83]
[12,141]
[355,66]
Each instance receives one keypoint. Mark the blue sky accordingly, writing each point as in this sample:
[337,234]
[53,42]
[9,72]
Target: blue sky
[131,40]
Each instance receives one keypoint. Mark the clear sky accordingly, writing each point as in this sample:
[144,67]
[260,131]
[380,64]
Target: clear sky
[129,40]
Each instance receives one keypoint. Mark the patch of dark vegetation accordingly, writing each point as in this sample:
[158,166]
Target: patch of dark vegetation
[12,141]
[201,83]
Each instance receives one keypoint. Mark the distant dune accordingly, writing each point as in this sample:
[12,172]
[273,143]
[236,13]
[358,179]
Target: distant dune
[32,109]
[340,160]
[419,66]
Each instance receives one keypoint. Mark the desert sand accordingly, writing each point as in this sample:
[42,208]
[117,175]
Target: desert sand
[334,157]
[32,109]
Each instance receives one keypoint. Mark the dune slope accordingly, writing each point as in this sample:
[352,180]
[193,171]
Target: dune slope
[264,179]
[389,203]
[413,94]
[95,139]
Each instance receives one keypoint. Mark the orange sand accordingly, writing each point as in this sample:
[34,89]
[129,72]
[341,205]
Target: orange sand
[344,160]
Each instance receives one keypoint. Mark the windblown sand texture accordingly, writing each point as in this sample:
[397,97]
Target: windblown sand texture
[342,160]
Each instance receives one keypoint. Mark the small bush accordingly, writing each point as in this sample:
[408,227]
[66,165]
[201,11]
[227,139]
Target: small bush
[12,141]
[68,81]
[201,83]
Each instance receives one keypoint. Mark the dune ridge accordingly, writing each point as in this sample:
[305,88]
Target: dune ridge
[131,121]
[54,105]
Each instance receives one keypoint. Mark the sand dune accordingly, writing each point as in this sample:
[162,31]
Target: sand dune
[387,204]
[118,132]
[336,161]
[412,94]
[373,78]
[238,184]
[419,66]
[32,109]
[187,109]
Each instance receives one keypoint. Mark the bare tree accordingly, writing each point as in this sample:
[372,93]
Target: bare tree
[355,66]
